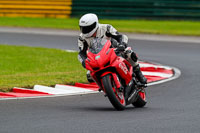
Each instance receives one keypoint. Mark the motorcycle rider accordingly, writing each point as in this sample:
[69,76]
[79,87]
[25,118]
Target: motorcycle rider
[91,28]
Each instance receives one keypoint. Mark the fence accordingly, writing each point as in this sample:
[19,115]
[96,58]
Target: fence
[117,9]
[130,9]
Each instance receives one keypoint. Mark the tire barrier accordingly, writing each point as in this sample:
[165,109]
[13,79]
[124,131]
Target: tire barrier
[36,8]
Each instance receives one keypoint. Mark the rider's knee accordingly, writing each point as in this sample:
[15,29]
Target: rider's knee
[134,56]
[131,55]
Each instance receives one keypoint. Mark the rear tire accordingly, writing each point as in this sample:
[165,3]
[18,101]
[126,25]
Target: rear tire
[116,98]
[141,100]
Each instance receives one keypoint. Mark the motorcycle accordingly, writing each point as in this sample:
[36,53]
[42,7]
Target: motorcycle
[114,74]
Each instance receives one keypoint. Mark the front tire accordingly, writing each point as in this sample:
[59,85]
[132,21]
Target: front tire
[114,95]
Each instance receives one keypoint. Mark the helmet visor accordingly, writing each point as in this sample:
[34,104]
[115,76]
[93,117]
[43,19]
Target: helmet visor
[88,29]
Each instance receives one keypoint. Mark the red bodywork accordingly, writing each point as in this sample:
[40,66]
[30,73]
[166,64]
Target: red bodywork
[107,62]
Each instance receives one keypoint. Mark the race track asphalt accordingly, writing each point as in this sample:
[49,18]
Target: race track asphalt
[173,107]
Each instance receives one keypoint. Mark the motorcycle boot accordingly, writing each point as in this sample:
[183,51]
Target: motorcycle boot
[89,77]
[132,58]
[139,75]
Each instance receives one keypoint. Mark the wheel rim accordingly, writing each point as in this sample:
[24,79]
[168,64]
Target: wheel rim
[118,94]
[142,95]
[120,97]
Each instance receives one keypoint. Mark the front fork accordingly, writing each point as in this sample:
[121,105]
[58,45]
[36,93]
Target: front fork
[115,78]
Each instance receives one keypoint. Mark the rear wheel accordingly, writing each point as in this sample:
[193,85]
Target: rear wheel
[141,100]
[115,96]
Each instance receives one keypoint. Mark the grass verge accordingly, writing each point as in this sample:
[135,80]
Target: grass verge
[189,28]
[22,66]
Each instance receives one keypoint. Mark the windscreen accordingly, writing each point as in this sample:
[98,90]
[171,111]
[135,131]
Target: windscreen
[97,45]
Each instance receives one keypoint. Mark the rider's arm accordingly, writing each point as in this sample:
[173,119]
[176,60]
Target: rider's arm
[112,32]
[83,46]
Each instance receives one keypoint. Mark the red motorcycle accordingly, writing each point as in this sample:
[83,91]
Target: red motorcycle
[114,75]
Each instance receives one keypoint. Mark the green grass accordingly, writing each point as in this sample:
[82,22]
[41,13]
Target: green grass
[26,66]
[188,28]
[22,66]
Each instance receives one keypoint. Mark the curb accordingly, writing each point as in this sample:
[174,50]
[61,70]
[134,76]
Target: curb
[155,74]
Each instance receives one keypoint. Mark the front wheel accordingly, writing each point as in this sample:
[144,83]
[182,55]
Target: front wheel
[115,96]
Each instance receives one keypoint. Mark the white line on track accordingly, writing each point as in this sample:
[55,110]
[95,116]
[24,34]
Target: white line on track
[164,75]
[177,74]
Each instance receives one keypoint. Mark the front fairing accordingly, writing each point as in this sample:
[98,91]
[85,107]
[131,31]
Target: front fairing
[104,59]
[99,55]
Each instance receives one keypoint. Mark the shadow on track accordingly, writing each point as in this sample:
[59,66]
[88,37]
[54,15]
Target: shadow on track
[107,109]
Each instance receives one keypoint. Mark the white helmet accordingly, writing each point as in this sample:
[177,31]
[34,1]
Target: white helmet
[88,24]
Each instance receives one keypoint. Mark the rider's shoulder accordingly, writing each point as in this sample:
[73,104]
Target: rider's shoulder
[105,25]
[81,37]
